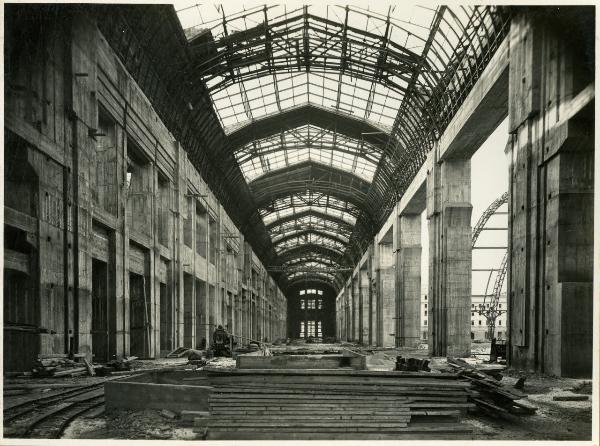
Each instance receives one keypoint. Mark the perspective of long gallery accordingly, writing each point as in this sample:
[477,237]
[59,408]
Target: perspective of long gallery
[298,222]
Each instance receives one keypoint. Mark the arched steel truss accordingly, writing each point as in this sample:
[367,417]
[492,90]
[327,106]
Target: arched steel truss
[312,215]
[303,93]
[388,80]
[490,307]
[490,210]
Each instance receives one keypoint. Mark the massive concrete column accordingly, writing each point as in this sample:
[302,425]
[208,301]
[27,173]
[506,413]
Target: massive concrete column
[408,312]
[355,293]
[551,198]
[365,307]
[387,289]
[449,213]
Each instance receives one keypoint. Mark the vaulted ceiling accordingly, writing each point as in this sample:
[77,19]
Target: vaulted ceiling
[324,113]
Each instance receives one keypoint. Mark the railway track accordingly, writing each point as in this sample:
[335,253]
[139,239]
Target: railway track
[47,417]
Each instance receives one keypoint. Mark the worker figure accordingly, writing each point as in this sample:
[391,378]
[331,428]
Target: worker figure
[221,342]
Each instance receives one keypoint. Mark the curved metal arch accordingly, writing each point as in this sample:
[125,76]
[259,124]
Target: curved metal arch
[312,281]
[491,210]
[302,261]
[288,205]
[433,95]
[308,143]
[320,226]
[331,279]
[399,60]
[328,242]
[299,234]
[295,200]
[310,248]
[358,152]
[359,129]
[310,176]
[310,213]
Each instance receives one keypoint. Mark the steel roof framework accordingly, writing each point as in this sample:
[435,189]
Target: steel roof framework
[402,75]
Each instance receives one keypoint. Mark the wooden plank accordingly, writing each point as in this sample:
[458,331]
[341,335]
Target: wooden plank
[326,372]
[317,382]
[339,389]
[363,420]
[313,413]
[354,436]
[409,393]
[263,403]
[314,426]
[309,380]
[446,428]
[313,401]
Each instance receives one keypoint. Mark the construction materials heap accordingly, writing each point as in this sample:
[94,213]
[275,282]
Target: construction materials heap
[334,404]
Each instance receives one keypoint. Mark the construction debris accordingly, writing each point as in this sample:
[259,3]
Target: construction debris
[412,364]
[115,365]
[179,352]
[491,396]
[165,413]
[46,367]
[520,384]
[307,404]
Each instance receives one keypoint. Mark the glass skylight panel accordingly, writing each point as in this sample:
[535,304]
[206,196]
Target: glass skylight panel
[321,84]
[326,275]
[313,239]
[308,143]
[310,221]
[285,207]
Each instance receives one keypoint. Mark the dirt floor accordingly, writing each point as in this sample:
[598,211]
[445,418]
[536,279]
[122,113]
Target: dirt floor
[554,420]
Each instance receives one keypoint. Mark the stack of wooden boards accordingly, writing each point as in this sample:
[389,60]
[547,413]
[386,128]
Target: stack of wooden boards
[59,365]
[493,397]
[334,404]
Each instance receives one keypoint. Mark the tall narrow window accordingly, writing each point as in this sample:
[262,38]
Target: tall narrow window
[311,329]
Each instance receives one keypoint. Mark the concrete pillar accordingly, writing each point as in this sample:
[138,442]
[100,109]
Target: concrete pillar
[245,316]
[356,308]
[387,289]
[180,191]
[365,308]
[449,214]
[348,309]
[373,275]
[550,199]
[409,281]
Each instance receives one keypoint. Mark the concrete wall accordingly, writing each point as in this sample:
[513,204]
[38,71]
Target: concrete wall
[107,183]
[551,198]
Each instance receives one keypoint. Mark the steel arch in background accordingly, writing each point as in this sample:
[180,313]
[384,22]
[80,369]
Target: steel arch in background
[490,307]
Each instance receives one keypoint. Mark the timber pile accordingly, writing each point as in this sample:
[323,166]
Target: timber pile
[44,367]
[493,397]
[333,404]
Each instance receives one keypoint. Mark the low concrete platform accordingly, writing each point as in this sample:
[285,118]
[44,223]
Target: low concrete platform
[172,390]
[282,361]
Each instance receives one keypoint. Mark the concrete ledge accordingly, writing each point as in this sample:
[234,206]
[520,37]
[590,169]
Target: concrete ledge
[301,362]
[145,395]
